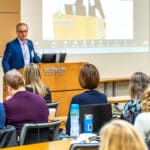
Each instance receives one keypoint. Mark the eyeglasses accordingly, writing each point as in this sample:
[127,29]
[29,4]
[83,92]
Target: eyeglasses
[22,31]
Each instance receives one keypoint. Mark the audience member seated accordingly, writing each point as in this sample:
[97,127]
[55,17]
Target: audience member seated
[120,135]
[2,116]
[22,106]
[34,83]
[89,80]
[142,122]
[138,83]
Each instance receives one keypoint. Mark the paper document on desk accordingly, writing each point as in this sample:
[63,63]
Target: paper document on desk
[85,138]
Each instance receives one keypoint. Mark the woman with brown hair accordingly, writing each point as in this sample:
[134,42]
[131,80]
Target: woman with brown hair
[120,135]
[89,79]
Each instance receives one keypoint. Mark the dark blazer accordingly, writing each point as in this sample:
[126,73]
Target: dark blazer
[13,56]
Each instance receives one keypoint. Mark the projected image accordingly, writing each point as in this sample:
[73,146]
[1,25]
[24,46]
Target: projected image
[87,19]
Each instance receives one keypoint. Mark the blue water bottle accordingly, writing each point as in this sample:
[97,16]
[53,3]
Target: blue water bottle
[88,123]
[74,120]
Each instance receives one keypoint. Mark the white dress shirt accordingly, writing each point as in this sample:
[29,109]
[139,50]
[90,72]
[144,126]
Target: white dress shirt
[25,51]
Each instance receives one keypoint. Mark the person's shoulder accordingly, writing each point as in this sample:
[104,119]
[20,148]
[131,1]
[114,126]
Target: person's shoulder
[82,96]
[131,103]
[9,102]
[91,92]
[34,95]
[14,41]
[143,115]
[100,94]
[29,41]
[78,96]
[27,92]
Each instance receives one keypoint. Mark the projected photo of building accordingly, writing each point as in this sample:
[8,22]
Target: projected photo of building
[82,20]
[87,19]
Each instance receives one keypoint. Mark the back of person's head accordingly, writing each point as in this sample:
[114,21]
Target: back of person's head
[120,135]
[14,79]
[31,73]
[138,83]
[32,77]
[89,76]
[145,104]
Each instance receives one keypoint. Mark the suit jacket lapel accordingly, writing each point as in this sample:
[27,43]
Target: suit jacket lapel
[19,49]
[30,50]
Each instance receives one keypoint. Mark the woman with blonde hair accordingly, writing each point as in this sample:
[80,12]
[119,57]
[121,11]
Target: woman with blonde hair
[142,122]
[34,83]
[120,135]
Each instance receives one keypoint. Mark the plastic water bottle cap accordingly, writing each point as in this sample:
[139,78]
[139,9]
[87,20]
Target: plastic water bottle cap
[75,106]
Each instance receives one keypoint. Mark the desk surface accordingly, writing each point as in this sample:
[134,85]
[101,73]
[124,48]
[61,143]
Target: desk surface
[54,145]
[119,79]
[118,99]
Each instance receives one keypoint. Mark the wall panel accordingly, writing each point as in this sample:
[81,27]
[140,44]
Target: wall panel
[9,17]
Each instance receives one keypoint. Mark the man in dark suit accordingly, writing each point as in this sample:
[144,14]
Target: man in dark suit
[20,51]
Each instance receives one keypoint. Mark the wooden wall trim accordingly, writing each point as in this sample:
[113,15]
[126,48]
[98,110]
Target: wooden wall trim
[9,16]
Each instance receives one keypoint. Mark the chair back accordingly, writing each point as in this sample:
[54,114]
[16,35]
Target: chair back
[39,132]
[53,105]
[91,146]
[102,113]
[8,136]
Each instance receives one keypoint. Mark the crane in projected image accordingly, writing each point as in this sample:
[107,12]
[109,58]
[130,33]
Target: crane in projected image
[89,8]
[81,16]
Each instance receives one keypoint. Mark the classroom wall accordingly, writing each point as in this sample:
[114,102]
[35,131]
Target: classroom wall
[141,20]
[116,65]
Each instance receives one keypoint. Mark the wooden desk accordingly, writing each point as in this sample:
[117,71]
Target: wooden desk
[113,81]
[118,99]
[54,145]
